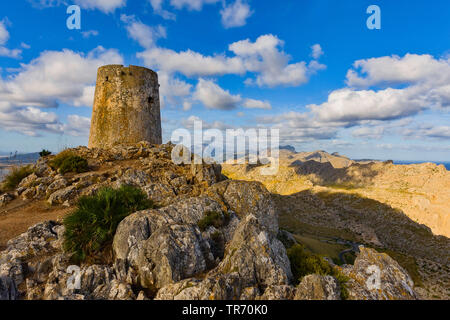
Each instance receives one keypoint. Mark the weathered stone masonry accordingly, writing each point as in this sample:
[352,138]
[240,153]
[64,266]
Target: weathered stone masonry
[126,107]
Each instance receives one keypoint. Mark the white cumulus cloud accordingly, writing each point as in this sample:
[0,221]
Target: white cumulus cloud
[191,63]
[265,57]
[257,104]
[54,77]
[408,85]
[106,6]
[214,97]
[145,35]
[317,51]
[4,37]
[235,14]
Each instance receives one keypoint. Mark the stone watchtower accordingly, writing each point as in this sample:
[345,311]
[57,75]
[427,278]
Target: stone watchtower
[126,107]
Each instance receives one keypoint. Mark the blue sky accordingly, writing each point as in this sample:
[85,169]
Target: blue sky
[310,68]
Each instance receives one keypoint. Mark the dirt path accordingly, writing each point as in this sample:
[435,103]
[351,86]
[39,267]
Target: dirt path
[19,215]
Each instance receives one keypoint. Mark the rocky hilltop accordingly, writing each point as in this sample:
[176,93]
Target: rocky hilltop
[171,251]
[400,209]
[336,160]
[421,191]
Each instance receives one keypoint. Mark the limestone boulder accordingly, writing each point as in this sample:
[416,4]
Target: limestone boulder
[139,226]
[280,292]
[96,282]
[6,198]
[133,177]
[28,193]
[254,260]
[42,168]
[133,230]
[14,267]
[28,181]
[161,194]
[376,276]
[248,198]
[256,255]
[67,194]
[57,184]
[207,173]
[317,287]
[171,254]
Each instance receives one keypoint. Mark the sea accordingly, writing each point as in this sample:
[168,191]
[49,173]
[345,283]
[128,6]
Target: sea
[19,159]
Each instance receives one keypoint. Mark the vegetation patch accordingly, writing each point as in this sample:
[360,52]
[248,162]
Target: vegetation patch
[44,153]
[67,161]
[91,227]
[349,258]
[342,281]
[304,263]
[15,176]
[214,218]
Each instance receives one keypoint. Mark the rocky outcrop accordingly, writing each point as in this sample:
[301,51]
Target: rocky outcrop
[206,238]
[376,276]
[63,195]
[161,250]
[149,167]
[166,246]
[420,191]
[96,282]
[6,198]
[39,240]
[317,287]
[35,262]
[172,253]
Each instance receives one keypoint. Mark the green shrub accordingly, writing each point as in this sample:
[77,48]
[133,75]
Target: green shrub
[213,218]
[57,160]
[342,280]
[90,229]
[304,263]
[74,164]
[44,153]
[67,161]
[15,176]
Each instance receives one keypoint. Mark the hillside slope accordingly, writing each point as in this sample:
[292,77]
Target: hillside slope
[400,209]
[421,191]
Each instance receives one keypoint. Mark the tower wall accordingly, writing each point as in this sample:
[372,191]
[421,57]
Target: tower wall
[126,107]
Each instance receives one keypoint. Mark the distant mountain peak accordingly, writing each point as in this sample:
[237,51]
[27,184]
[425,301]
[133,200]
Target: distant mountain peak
[288,147]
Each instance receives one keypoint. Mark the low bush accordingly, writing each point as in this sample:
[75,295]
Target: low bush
[342,280]
[15,176]
[57,160]
[44,153]
[67,161]
[213,218]
[90,229]
[74,164]
[304,263]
